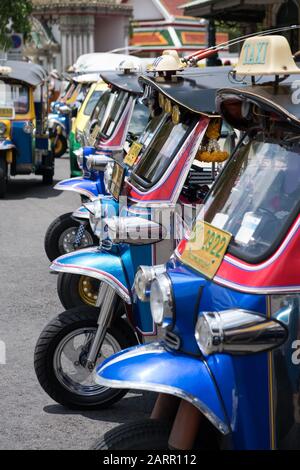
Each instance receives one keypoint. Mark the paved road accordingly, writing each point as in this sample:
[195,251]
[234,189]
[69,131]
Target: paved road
[29,418]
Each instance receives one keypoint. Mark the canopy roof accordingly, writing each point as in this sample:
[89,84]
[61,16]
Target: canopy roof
[26,72]
[269,96]
[194,89]
[127,82]
[229,10]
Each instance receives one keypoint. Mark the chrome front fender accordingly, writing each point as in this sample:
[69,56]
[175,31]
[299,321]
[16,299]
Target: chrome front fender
[153,368]
[86,187]
[6,145]
[100,265]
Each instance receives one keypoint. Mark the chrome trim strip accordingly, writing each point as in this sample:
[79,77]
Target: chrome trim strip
[159,388]
[101,276]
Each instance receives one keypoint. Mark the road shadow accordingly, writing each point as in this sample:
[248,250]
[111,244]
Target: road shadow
[135,405]
[30,188]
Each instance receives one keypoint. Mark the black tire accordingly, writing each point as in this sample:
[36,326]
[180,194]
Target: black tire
[48,177]
[49,341]
[61,146]
[56,229]
[3,176]
[146,434]
[68,290]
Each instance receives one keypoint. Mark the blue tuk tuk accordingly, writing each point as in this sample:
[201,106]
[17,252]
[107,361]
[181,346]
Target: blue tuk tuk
[24,141]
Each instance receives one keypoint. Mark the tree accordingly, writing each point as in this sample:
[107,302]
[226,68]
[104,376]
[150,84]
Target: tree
[14,16]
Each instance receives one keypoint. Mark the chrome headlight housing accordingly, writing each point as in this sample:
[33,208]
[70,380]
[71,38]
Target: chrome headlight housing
[95,217]
[28,127]
[143,279]
[79,157]
[3,128]
[161,299]
[108,176]
[238,331]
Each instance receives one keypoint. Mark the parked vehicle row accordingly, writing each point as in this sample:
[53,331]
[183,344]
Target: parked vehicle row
[179,271]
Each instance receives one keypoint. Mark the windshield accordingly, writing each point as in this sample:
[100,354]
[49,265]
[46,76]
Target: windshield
[159,156]
[114,109]
[14,95]
[257,196]
[92,102]
[139,120]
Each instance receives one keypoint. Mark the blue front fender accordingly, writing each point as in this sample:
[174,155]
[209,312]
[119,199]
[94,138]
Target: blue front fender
[80,185]
[152,368]
[100,265]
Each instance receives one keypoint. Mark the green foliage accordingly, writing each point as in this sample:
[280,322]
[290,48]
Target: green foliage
[14,15]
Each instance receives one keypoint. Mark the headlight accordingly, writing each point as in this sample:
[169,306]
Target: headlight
[238,331]
[144,277]
[79,156]
[108,176]
[95,210]
[3,128]
[28,127]
[161,298]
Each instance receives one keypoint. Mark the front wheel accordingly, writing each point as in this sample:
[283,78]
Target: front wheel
[59,145]
[61,234]
[75,290]
[61,352]
[146,434]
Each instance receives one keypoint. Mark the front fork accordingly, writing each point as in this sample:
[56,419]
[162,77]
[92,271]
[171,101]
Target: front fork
[79,234]
[107,299]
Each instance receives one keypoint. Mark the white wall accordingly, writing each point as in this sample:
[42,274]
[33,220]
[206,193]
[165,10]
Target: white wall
[145,10]
[104,39]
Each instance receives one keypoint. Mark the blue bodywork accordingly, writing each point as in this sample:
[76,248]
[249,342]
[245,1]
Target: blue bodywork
[63,120]
[117,267]
[240,383]
[90,184]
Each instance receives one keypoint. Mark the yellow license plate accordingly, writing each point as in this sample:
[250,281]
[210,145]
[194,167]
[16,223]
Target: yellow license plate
[133,154]
[206,248]
[7,113]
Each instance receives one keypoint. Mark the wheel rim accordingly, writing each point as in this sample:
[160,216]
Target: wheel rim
[88,290]
[67,239]
[58,147]
[69,358]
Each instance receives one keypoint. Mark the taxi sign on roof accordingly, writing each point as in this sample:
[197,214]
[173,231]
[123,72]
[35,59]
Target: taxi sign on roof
[266,55]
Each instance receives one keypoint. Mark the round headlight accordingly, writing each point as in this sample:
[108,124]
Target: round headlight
[144,277]
[3,128]
[161,298]
[79,156]
[95,218]
[28,127]
[108,176]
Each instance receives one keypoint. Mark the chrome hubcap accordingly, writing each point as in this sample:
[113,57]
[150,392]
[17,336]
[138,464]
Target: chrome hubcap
[70,357]
[68,237]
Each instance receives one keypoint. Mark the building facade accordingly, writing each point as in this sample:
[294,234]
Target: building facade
[65,29]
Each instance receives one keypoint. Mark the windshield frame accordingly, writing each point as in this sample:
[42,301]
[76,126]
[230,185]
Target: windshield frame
[114,94]
[233,250]
[96,93]
[25,87]
[142,183]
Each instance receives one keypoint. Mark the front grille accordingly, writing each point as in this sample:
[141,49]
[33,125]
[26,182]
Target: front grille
[172,341]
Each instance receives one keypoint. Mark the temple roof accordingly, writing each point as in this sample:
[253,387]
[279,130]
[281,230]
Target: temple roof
[91,4]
